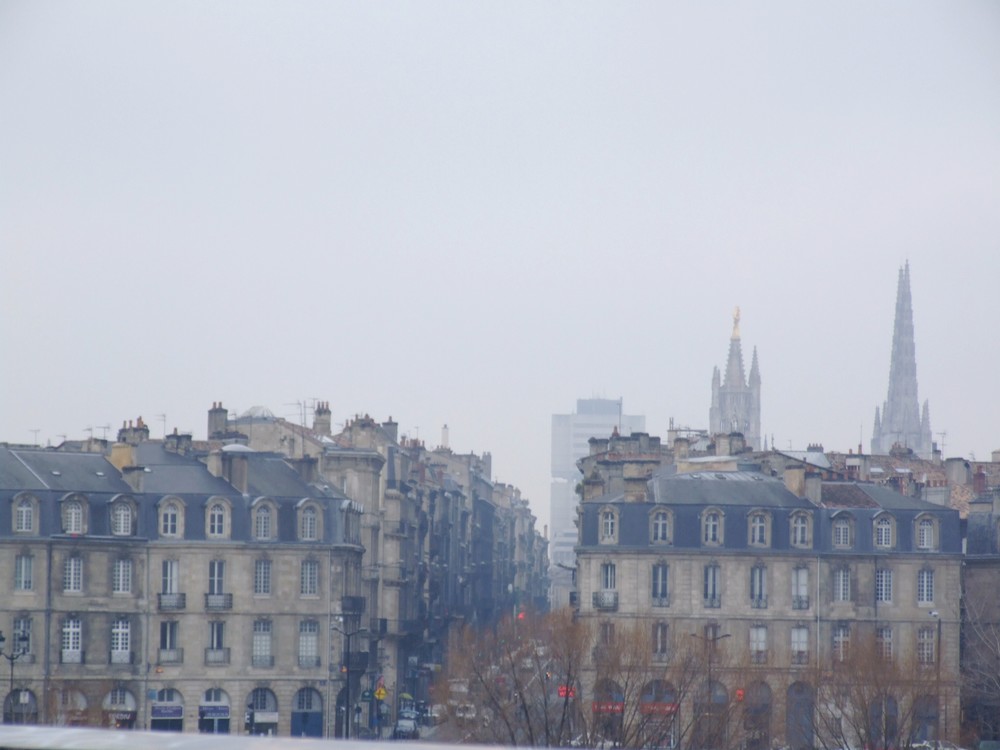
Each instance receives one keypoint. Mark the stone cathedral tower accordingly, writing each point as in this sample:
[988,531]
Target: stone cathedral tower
[901,420]
[735,400]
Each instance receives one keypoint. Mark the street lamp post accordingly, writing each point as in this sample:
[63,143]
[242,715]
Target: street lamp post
[348,634]
[17,651]
[710,641]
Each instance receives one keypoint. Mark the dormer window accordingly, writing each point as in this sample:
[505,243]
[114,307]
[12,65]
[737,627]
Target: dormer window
[800,530]
[609,525]
[24,515]
[73,517]
[883,532]
[217,520]
[262,528]
[842,533]
[759,536]
[172,519]
[926,533]
[711,528]
[308,524]
[659,527]
[121,519]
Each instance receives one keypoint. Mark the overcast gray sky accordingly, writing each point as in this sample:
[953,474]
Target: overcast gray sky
[475,213]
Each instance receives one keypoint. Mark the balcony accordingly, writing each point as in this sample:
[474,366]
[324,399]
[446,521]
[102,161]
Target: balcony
[758,657]
[170,656]
[71,657]
[171,601]
[262,661]
[759,602]
[661,601]
[215,656]
[713,602]
[800,657]
[352,605]
[606,601]
[800,602]
[308,662]
[121,657]
[218,601]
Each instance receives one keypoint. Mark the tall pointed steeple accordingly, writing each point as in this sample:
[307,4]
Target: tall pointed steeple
[901,423]
[736,402]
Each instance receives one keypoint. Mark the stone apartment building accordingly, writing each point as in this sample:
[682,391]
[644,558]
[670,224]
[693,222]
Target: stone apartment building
[791,570]
[149,589]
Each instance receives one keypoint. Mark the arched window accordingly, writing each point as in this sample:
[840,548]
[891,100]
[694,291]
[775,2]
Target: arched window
[308,526]
[800,530]
[262,522]
[711,527]
[121,519]
[758,529]
[883,532]
[24,516]
[609,525]
[660,527]
[73,517]
[217,520]
[925,534]
[842,533]
[169,519]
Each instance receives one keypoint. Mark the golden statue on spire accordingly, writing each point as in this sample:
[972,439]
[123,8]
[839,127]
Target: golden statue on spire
[736,322]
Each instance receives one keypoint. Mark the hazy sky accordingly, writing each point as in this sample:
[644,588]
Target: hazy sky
[475,213]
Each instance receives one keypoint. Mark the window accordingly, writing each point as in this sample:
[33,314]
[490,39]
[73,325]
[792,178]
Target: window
[800,588]
[216,576]
[170,578]
[217,520]
[925,646]
[925,586]
[712,528]
[883,532]
[842,533]
[168,635]
[758,644]
[758,587]
[262,522]
[661,588]
[23,565]
[73,517]
[308,526]
[609,525]
[883,640]
[118,696]
[22,635]
[73,574]
[216,635]
[842,585]
[24,516]
[883,585]
[712,594]
[262,644]
[800,531]
[758,529]
[121,641]
[168,521]
[608,576]
[121,577]
[607,633]
[925,534]
[121,519]
[800,645]
[841,642]
[262,577]
[309,578]
[308,643]
[661,641]
[72,640]
[660,528]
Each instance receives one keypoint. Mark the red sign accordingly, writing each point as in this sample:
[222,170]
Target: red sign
[658,709]
[608,707]
[565,691]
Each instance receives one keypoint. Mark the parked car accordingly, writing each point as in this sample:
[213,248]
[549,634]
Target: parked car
[406,729]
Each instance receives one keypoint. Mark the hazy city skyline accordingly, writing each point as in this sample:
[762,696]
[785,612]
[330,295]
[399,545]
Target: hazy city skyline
[475,214]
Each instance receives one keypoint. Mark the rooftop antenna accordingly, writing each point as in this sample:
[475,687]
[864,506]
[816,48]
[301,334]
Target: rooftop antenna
[104,429]
[90,430]
[163,418]
[34,434]
[943,434]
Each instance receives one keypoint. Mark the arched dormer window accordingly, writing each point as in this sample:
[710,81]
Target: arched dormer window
[801,530]
[74,516]
[263,522]
[217,519]
[308,524]
[172,518]
[121,518]
[843,532]
[660,527]
[927,533]
[609,526]
[759,527]
[25,513]
[884,532]
[712,528]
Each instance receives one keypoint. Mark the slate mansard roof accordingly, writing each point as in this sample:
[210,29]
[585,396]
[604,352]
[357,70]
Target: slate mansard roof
[737,495]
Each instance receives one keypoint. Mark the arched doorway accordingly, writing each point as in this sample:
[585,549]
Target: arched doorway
[925,718]
[757,716]
[659,712]
[72,708]
[20,707]
[166,714]
[119,709]
[800,705]
[883,725]
[711,724]
[262,707]
[214,712]
[307,713]
[608,707]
